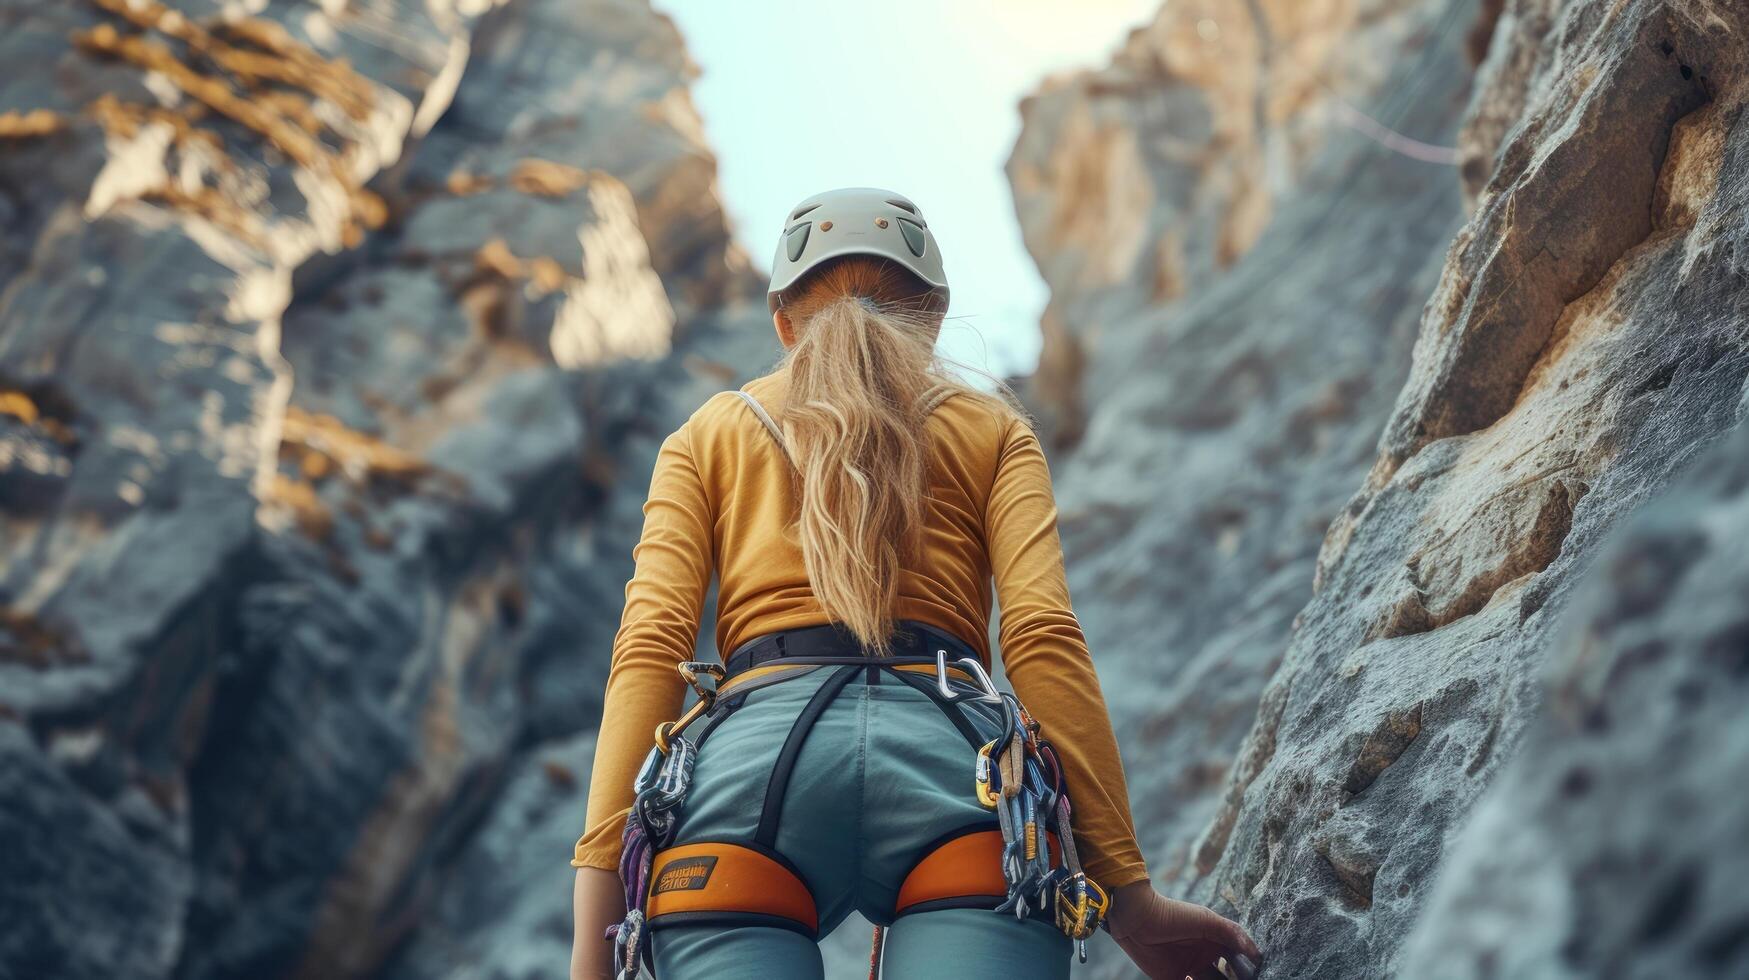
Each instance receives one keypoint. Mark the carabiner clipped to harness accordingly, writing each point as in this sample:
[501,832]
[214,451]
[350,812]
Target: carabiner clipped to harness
[1081,907]
[661,788]
[691,669]
[1018,775]
[986,796]
[707,699]
[971,666]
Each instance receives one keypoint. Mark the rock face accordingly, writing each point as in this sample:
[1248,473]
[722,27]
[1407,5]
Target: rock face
[1553,391]
[1587,337]
[1618,827]
[336,341]
[335,345]
[1235,417]
[1214,130]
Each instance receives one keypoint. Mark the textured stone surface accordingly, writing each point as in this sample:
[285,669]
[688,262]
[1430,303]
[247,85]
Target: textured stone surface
[1555,388]
[336,341]
[1234,420]
[504,910]
[1585,338]
[1618,829]
[1142,183]
[335,347]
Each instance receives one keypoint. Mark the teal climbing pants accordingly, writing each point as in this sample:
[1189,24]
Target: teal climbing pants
[852,775]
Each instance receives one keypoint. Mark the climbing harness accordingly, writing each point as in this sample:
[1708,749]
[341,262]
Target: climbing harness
[1025,865]
[743,882]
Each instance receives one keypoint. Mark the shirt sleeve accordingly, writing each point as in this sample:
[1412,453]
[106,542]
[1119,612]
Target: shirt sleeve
[1046,657]
[658,629]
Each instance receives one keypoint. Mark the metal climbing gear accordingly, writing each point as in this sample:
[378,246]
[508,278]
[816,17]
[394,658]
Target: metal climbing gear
[707,699]
[971,666]
[659,791]
[1019,776]
[1081,907]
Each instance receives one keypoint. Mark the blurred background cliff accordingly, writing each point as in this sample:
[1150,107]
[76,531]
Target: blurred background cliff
[1393,365]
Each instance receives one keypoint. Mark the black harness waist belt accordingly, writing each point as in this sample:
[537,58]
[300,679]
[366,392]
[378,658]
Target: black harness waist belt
[828,643]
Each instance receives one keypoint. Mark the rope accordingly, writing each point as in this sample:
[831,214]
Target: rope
[1392,140]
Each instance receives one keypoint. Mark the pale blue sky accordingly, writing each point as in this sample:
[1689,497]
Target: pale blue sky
[918,96]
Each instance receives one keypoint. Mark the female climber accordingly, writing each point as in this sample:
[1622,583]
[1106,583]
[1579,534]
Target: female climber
[848,751]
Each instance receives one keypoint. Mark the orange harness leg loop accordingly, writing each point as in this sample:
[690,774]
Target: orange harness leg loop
[724,883]
[964,871]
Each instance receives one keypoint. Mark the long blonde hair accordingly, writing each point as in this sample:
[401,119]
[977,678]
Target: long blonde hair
[863,375]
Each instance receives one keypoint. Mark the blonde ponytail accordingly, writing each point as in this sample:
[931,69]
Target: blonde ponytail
[862,377]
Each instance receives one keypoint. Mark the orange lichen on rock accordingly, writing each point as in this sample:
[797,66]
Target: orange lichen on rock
[281,59]
[544,178]
[495,258]
[268,82]
[214,92]
[26,639]
[333,80]
[544,274]
[213,205]
[27,125]
[359,455]
[127,118]
[18,405]
[201,199]
[299,499]
[461,183]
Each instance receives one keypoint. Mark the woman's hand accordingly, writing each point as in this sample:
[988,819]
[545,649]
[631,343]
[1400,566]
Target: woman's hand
[1170,940]
[597,901]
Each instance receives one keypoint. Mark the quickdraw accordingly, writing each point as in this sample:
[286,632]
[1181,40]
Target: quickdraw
[660,789]
[1019,776]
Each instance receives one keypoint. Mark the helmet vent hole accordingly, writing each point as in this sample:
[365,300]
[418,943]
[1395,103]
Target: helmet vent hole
[803,210]
[825,226]
[880,222]
[913,233]
[904,206]
[797,239]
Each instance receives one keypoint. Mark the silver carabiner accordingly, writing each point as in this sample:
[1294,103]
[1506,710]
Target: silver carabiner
[971,666]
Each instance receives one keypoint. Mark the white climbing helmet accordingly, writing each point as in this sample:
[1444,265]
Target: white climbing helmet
[855,221]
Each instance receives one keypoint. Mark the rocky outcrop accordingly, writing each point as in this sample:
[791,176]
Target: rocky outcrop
[1617,829]
[1139,186]
[1554,390]
[1584,341]
[1235,417]
[334,344]
[336,341]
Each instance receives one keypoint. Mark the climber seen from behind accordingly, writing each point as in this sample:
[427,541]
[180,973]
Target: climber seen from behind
[848,751]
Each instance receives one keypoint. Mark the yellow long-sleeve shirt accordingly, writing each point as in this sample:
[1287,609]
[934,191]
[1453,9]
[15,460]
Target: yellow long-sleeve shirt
[719,501]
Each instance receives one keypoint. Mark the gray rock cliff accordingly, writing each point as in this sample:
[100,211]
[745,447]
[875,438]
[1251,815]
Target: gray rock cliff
[1394,370]
[1583,337]
[335,345]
